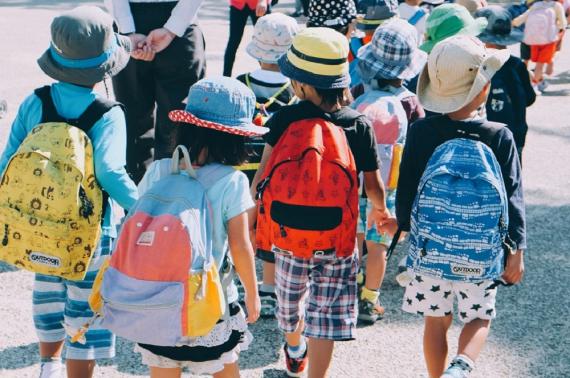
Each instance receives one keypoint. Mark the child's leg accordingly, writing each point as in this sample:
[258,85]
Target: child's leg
[473,338]
[48,308]
[375,266]
[320,356]
[538,72]
[268,273]
[99,342]
[230,371]
[156,372]
[435,344]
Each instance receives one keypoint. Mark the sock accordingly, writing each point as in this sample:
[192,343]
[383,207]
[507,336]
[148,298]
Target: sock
[51,367]
[299,350]
[267,288]
[464,362]
[369,295]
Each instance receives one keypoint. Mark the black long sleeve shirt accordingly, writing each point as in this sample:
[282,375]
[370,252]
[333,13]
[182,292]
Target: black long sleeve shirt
[425,135]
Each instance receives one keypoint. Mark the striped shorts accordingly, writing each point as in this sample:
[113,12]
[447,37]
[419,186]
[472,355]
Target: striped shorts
[321,290]
[57,301]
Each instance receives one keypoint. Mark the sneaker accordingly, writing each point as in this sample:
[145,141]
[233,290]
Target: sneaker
[295,366]
[457,369]
[369,312]
[268,304]
[542,86]
[54,369]
[297,13]
[536,89]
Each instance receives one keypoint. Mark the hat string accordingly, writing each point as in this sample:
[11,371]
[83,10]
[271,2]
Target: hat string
[82,63]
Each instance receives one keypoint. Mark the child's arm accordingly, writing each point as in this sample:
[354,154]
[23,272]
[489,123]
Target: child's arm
[375,191]
[264,159]
[520,19]
[408,181]
[242,255]
[31,107]
[109,138]
[560,16]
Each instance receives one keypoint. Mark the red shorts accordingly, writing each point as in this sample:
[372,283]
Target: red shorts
[543,53]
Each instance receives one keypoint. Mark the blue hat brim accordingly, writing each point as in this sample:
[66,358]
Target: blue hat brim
[316,80]
[516,36]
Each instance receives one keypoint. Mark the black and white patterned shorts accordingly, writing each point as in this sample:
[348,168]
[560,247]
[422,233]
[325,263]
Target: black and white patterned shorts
[435,297]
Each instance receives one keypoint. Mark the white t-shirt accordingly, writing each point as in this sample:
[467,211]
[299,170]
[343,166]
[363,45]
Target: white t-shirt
[407,11]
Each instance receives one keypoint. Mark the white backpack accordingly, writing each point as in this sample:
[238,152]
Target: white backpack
[540,26]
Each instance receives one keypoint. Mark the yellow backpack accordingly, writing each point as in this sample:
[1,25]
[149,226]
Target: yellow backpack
[51,205]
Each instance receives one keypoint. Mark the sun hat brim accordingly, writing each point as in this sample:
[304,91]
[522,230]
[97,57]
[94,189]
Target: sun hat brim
[316,80]
[516,36]
[265,53]
[88,76]
[371,68]
[441,103]
[474,29]
[247,129]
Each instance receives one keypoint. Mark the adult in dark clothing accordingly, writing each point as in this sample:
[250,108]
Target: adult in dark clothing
[169,56]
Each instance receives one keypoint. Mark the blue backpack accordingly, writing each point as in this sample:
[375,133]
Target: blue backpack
[459,220]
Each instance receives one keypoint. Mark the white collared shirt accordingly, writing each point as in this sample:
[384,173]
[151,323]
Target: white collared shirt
[183,15]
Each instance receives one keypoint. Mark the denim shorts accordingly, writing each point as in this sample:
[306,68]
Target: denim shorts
[365,205]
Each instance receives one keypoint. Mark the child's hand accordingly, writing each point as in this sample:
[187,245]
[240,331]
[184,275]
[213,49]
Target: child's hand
[261,8]
[378,217]
[514,270]
[253,306]
[389,227]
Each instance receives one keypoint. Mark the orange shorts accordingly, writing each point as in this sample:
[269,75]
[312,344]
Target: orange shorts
[543,53]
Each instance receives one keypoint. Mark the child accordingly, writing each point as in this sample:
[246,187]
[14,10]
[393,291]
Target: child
[455,83]
[337,15]
[240,11]
[328,315]
[511,90]
[411,11]
[384,64]
[218,120]
[371,14]
[272,36]
[544,22]
[76,37]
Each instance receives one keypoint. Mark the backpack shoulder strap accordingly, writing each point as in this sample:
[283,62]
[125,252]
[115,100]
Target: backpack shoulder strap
[49,112]
[355,45]
[94,112]
[209,174]
[416,17]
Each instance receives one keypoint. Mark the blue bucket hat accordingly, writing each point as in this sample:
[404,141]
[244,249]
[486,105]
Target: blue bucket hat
[372,13]
[220,103]
[392,53]
[499,30]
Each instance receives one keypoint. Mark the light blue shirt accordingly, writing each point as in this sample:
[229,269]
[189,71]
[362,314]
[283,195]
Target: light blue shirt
[108,136]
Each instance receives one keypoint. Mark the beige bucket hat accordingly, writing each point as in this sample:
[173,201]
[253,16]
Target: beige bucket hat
[458,69]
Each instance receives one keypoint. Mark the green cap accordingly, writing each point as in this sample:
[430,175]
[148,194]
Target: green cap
[448,20]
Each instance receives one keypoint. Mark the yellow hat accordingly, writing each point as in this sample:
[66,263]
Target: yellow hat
[318,57]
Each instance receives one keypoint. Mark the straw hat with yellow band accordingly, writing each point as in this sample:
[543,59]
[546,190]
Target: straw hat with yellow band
[318,57]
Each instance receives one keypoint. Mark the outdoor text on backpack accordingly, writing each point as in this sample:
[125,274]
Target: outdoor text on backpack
[50,202]
[459,220]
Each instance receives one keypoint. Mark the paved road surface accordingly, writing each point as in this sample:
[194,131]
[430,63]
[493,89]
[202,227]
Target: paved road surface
[531,336]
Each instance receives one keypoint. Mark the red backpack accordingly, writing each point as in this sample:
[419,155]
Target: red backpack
[308,196]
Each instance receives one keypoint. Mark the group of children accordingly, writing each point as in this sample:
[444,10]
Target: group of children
[333,110]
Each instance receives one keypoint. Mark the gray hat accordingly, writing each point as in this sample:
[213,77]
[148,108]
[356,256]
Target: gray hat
[499,29]
[84,48]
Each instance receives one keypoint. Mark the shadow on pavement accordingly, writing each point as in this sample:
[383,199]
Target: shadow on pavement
[19,357]
[6,268]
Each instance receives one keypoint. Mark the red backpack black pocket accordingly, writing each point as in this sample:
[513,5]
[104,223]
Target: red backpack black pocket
[308,196]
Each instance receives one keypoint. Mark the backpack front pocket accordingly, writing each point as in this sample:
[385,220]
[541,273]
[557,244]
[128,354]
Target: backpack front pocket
[147,312]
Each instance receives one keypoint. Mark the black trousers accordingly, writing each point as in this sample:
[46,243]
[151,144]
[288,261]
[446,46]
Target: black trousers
[149,90]
[238,20]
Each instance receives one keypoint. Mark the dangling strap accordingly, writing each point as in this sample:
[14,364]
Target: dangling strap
[271,99]
[177,159]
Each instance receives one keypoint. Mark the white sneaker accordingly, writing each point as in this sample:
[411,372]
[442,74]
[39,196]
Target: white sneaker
[542,85]
[53,369]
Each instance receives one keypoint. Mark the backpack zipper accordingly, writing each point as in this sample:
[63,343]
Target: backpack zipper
[124,306]
[6,232]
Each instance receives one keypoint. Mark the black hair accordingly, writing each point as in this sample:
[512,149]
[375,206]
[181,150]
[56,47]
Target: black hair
[335,96]
[221,147]
[386,82]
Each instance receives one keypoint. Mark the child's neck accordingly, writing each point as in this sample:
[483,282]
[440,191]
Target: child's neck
[413,3]
[269,67]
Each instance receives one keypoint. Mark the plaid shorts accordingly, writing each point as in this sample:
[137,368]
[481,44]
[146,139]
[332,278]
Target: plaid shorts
[57,301]
[321,290]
